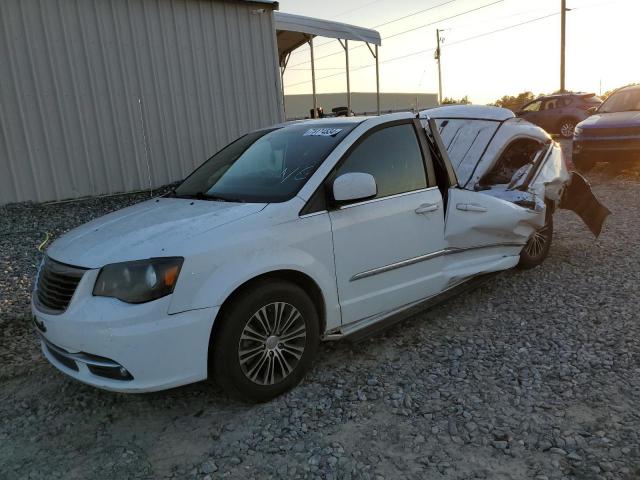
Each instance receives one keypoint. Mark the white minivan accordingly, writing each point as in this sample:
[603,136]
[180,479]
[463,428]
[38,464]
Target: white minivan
[304,231]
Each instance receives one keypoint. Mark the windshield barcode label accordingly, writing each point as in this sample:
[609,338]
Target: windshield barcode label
[322,132]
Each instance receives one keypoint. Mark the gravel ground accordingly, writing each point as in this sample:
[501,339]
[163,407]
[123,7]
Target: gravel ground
[533,375]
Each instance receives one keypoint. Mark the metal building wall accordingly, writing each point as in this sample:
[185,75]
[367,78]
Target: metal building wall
[89,89]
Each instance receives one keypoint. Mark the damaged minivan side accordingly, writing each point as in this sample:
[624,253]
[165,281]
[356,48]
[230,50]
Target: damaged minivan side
[322,229]
[506,157]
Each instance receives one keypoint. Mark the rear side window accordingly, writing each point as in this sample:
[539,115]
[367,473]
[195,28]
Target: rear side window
[393,156]
[533,106]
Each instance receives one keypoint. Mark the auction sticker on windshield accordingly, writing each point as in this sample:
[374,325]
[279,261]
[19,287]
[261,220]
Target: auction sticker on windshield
[322,132]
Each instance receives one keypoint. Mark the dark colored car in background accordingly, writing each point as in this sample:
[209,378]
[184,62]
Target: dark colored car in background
[612,133]
[560,113]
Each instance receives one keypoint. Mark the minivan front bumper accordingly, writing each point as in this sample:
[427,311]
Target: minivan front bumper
[120,347]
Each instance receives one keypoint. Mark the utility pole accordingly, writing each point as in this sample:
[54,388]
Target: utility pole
[563,26]
[437,57]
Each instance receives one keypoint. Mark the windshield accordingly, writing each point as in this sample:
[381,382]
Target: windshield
[623,101]
[264,166]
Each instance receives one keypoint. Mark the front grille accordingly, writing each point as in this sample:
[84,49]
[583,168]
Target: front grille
[611,132]
[56,285]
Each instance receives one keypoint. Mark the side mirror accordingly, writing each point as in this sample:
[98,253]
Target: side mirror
[354,186]
[592,110]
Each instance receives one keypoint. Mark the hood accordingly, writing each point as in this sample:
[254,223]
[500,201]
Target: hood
[612,120]
[150,229]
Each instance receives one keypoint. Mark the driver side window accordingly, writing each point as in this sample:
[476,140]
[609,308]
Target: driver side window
[393,156]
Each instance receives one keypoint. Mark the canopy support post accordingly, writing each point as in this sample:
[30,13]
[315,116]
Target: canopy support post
[313,80]
[345,45]
[377,81]
[375,55]
[283,66]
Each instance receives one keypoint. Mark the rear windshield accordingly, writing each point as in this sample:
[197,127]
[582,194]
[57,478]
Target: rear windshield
[622,101]
[265,166]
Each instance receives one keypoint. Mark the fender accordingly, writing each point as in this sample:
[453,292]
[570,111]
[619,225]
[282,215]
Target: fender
[208,279]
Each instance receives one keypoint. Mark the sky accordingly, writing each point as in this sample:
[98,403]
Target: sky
[601,51]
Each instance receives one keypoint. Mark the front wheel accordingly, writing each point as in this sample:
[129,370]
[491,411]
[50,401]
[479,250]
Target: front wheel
[266,341]
[537,248]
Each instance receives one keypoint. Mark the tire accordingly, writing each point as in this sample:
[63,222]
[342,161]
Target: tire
[566,127]
[537,248]
[583,163]
[247,353]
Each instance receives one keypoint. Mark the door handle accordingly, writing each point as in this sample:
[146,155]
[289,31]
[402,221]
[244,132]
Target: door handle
[471,207]
[427,207]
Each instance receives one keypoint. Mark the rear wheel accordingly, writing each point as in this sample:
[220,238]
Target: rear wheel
[567,126]
[266,342]
[537,248]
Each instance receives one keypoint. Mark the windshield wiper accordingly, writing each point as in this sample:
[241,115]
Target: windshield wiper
[222,199]
[204,196]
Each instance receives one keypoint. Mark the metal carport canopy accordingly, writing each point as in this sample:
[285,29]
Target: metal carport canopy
[293,31]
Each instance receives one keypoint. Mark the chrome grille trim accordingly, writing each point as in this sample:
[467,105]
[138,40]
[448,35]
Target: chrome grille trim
[56,284]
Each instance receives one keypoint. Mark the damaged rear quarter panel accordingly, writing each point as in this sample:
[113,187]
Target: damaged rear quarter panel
[502,223]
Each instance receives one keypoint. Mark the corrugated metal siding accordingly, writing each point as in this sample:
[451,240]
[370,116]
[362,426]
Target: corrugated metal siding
[84,82]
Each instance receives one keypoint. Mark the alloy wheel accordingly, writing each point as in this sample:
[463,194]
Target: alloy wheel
[272,343]
[566,130]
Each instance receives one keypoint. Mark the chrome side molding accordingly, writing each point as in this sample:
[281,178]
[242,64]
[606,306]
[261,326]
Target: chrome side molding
[428,256]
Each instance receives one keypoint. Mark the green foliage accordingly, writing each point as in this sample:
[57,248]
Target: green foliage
[515,103]
[452,101]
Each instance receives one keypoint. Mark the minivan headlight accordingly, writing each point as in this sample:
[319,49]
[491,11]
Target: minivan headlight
[140,281]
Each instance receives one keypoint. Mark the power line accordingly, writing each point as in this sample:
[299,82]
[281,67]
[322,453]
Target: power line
[355,9]
[394,20]
[414,13]
[432,49]
[524,13]
[364,66]
[408,31]
[442,20]
[502,29]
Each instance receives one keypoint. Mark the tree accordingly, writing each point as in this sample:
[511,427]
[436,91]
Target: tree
[515,103]
[452,101]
